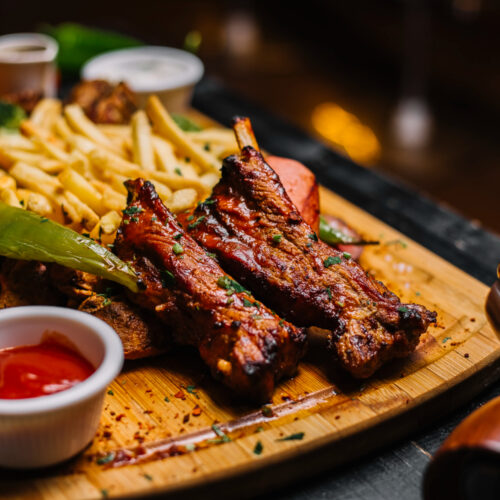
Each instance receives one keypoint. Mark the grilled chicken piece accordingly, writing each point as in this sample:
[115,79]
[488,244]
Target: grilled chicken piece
[138,329]
[245,345]
[259,237]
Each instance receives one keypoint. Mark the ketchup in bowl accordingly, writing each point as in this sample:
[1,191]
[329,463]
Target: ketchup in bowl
[30,371]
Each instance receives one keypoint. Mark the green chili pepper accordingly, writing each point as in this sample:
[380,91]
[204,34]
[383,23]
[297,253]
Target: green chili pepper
[27,236]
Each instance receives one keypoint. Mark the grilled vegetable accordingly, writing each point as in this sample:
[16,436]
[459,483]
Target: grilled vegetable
[27,236]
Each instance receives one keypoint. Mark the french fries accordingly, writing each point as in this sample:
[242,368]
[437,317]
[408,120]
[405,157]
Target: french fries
[65,167]
[142,144]
[167,128]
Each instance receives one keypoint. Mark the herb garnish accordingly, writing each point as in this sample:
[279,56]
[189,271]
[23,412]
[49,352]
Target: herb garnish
[328,292]
[177,249]
[167,278]
[277,238]
[197,222]
[178,236]
[132,210]
[177,170]
[221,436]
[403,309]
[293,437]
[313,236]
[231,286]
[258,448]
[346,255]
[106,459]
[329,261]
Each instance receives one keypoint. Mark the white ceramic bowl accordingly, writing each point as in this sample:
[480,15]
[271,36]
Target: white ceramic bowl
[36,432]
[27,62]
[169,73]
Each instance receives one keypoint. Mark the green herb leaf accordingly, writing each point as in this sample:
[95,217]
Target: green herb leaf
[403,309]
[177,249]
[167,278]
[446,340]
[178,171]
[111,393]
[184,123]
[267,411]
[258,448]
[197,222]
[313,236]
[178,236]
[132,210]
[277,238]
[329,292]
[330,261]
[346,255]
[293,437]
[147,476]
[106,459]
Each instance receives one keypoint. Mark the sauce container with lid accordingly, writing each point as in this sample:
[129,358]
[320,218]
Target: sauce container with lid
[27,63]
[169,73]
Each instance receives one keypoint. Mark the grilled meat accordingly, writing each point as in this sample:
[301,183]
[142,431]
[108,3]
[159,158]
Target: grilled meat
[245,345]
[259,237]
[138,329]
[104,102]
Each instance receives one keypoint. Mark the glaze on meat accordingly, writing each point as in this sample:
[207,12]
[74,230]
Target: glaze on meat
[246,346]
[260,238]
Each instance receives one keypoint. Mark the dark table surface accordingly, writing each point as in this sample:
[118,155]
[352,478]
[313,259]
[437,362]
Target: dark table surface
[396,471]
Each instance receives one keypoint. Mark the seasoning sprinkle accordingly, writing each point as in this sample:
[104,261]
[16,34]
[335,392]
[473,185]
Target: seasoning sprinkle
[132,210]
[178,236]
[313,236]
[330,261]
[277,238]
[106,459]
[258,448]
[177,170]
[403,309]
[293,437]
[111,393]
[177,249]
[147,476]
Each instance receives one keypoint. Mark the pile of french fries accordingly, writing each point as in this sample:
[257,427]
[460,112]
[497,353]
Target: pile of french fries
[66,168]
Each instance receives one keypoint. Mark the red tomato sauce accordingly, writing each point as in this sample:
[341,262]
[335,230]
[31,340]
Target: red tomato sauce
[30,371]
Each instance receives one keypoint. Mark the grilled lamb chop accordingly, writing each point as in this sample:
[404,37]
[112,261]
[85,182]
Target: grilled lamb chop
[245,345]
[259,237]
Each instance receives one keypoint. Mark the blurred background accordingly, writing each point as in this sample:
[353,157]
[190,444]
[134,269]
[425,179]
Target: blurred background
[410,87]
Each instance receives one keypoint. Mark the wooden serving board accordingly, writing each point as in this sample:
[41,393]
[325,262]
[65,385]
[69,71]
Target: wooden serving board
[171,400]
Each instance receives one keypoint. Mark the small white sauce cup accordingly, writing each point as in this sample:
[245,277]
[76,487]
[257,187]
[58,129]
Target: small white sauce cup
[27,62]
[42,431]
[169,73]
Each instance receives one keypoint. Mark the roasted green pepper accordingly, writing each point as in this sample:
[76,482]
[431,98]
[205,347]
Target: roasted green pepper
[27,236]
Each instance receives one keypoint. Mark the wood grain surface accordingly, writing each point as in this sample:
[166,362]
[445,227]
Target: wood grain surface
[163,404]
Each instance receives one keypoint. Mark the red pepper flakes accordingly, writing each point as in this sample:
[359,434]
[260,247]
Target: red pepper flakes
[466,355]
[148,412]
[107,434]
[149,390]
[112,413]
[473,319]
[180,395]
[185,419]
[139,438]
[119,417]
[196,411]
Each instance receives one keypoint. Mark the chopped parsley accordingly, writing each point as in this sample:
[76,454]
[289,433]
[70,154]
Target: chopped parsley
[206,147]
[104,493]
[258,448]
[132,210]
[223,438]
[197,222]
[149,477]
[446,340]
[211,255]
[329,261]
[167,278]
[166,399]
[154,218]
[192,390]
[111,393]
[106,458]
[313,236]
[190,218]
[402,309]
[247,303]
[177,249]
[293,437]
[346,255]
[133,219]
[277,238]
[328,292]
[177,170]
[231,286]
[190,447]
[340,304]
[282,322]
[178,236]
